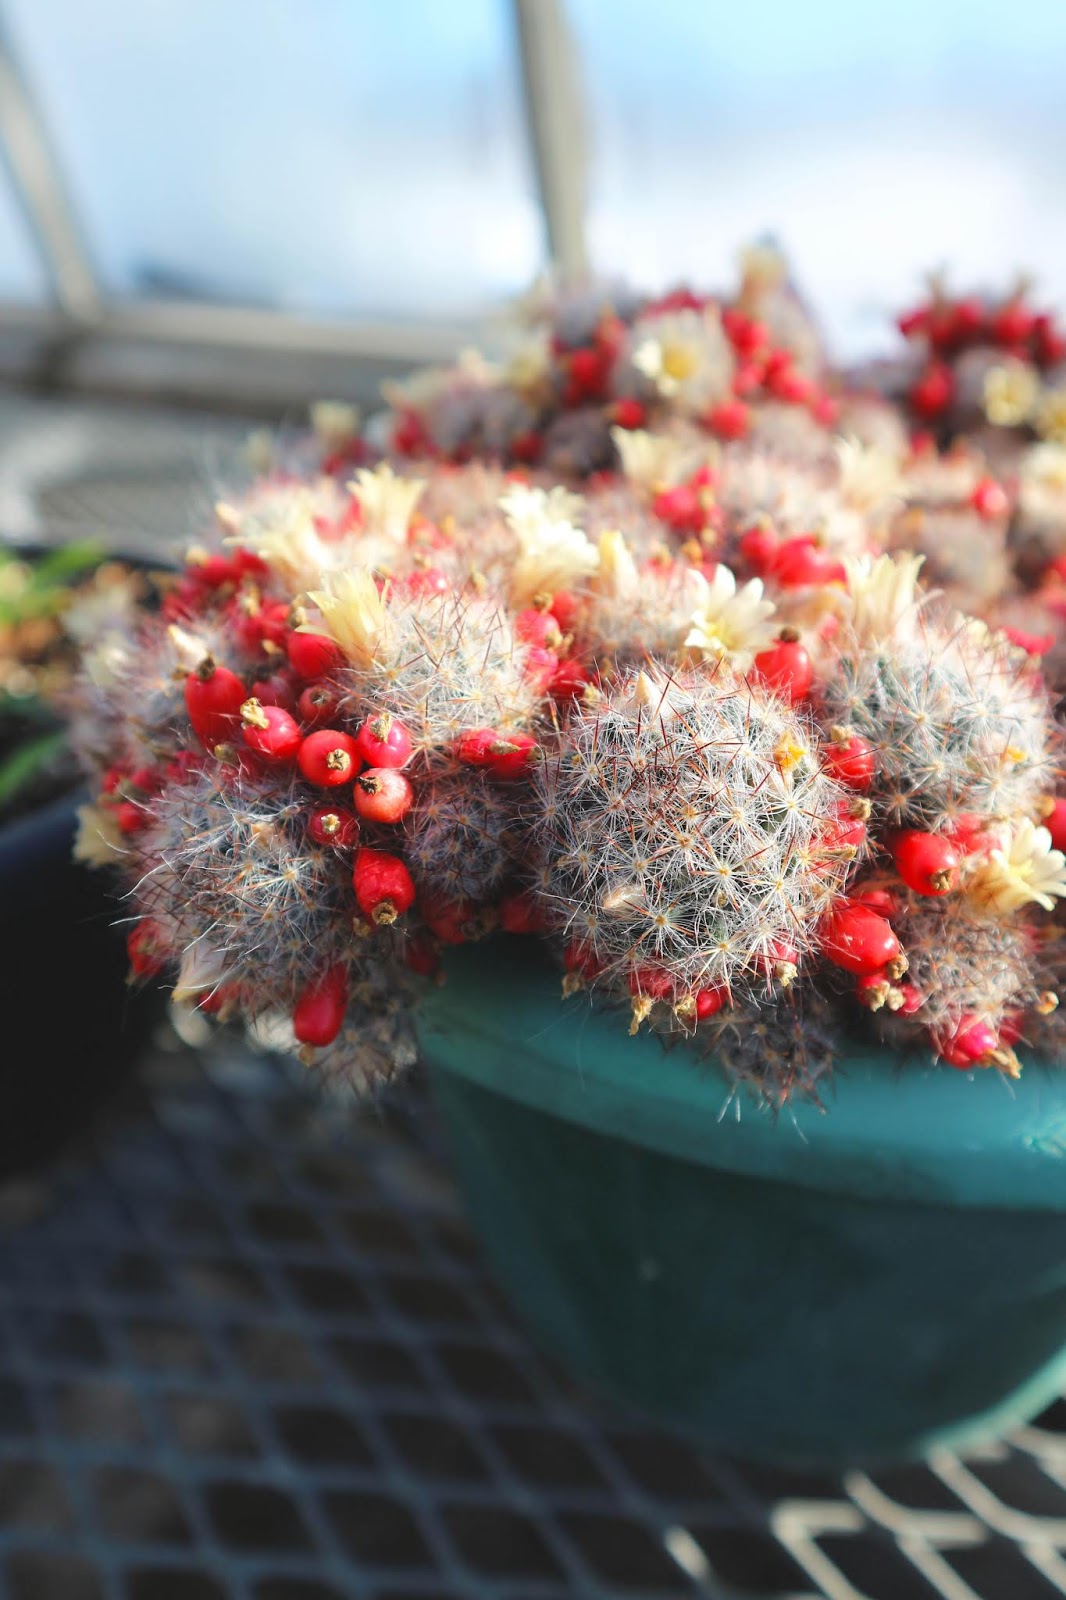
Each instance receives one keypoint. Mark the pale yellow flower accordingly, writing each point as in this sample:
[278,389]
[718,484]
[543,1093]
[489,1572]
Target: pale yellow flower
[1051,415]
[882,596]
[353,613]
[727,621]
[98,839]
[1022,870]
[617,573]
[553,553]
[295,549]
[387,502]
[1011,391]
[654,461]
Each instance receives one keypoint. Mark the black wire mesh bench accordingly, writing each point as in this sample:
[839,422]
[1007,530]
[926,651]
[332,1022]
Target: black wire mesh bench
[248,1352]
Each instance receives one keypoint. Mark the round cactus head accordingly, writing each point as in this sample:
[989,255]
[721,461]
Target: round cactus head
[690,839]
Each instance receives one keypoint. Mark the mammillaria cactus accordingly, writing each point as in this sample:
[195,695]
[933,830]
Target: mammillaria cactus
[659,690]
[690,842]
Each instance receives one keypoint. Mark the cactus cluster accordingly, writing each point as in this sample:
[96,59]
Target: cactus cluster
[624,646]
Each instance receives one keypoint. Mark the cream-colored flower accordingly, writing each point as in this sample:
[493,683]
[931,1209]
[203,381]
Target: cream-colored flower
[387,502]
[334,422]
[553,553]
[882,596]
[654,461]
[617,574]
[353,612]
[1045,465]
[686,356]
[730,622]
[869,477]
[1011,391]
[1022,870]
[295,549]
[98,839]
[1051,415]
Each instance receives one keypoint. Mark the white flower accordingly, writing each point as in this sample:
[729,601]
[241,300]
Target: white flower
[869,477]
[527,509]
[334,422]
[617,574]
[654,461]
[387,502]
[728,621]
[686,356]
[1045,465]
[553,553]
[353,612]
[882,594]
[1011,392]
[1022,870]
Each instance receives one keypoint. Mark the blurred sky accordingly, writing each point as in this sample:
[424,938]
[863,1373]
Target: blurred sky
[368,156]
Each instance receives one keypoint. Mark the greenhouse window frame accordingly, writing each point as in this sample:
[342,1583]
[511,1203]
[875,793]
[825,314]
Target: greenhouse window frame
[207,352]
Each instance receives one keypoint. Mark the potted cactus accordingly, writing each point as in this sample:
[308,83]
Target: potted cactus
[713,863]
[47,600]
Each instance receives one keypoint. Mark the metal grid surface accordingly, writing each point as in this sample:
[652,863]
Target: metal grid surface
[247,1349]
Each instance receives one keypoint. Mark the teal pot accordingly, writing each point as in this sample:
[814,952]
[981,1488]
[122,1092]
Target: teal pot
[823,1287]
[71,1026]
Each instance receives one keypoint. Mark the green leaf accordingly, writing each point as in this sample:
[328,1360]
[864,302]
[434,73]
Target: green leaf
[60,566]
[23,764]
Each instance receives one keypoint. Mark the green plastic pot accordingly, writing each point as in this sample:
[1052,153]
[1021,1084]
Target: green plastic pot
[832,1287]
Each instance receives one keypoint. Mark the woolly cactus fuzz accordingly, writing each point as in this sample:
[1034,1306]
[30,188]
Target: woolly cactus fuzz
[691,843]
[622,646]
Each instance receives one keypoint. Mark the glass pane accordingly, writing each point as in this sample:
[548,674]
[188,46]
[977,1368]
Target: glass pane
[873,142]
[335,156]
[21,276]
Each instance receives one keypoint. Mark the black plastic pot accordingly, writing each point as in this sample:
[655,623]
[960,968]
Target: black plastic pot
[70,1027]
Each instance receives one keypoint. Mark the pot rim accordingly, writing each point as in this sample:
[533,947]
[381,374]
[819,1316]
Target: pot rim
[889,1130]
